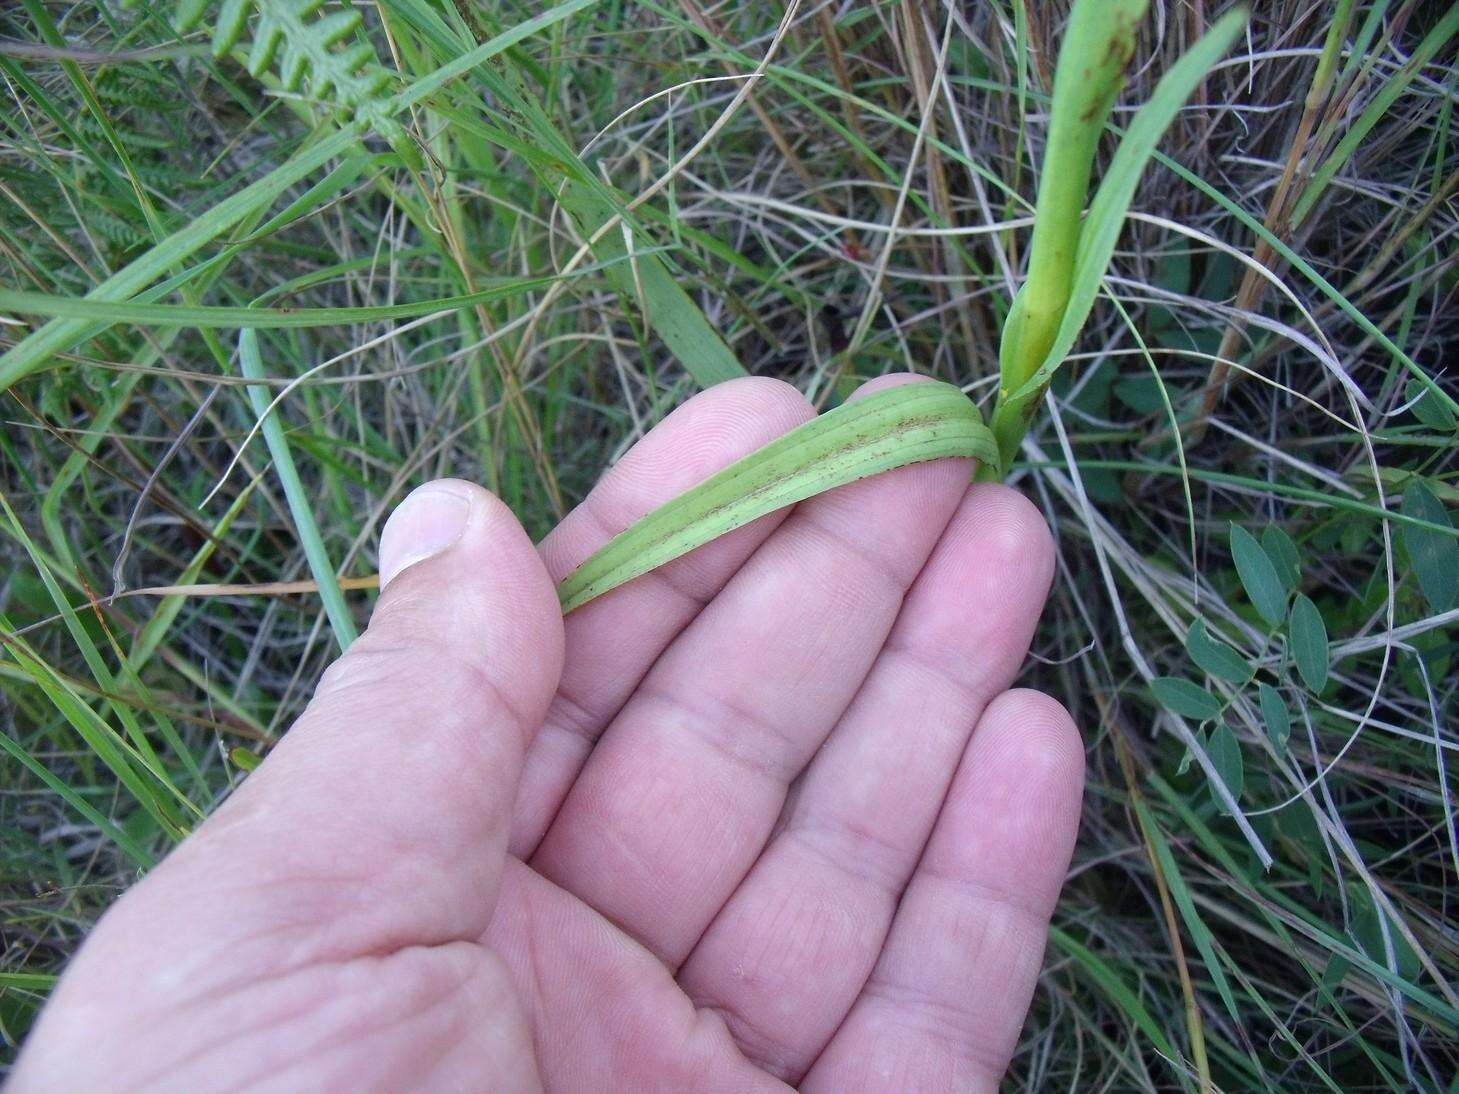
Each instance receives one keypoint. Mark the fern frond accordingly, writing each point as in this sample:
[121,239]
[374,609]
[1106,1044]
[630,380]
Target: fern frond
[325,56]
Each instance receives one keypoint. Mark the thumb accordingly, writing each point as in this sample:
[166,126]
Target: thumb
[380,820]
[377,827]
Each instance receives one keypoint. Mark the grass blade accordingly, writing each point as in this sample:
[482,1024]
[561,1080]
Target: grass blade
[59,335]
[205,316]
[1392,88]
[340,619]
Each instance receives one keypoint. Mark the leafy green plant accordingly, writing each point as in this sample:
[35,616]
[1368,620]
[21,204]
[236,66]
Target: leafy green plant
[325,56]
[1067,261]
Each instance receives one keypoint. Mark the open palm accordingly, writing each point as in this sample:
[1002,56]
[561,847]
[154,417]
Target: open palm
[768,815]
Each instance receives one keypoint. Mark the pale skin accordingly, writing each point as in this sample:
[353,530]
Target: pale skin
[770,815]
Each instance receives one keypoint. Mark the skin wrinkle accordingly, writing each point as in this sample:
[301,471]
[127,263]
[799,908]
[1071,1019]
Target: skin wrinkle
[815,936]
[297,1004]
[970,900]
[483,969]
[694,1044]
[733,731]
[722,423]
[309,1058]
[950,1038]
[800,537]
[843,845]
[892,576]
[912,1006]
[442,658]
[1002,518]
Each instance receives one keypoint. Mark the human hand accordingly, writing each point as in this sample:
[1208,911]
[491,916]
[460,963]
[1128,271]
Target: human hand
[728,827]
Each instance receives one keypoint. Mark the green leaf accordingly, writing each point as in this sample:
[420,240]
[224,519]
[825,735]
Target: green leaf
[203,316]
[1225,753]
[1427,408]
[1181,894]
[1098,42]
[1367,931]
[1185,698]
[1275,715]
[1108,981]
[1309,642]
[1214,656]
[1338,967]
[309,55]
[1258,576]
[297,496]
[1434,555]
[1283,553]
[244,759]
[911,423]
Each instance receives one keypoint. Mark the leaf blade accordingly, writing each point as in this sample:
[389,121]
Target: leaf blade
[1308,634]
[1275,714]
[1258,576]
[911,423]
[1225,753]
[1433,555]
[1215,657]
[1185,698]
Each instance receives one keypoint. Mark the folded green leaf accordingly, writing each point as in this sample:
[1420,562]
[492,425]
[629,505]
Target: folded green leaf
[911,423]
[1283,553]
[1225,753]
[1275,714]
[1215,657]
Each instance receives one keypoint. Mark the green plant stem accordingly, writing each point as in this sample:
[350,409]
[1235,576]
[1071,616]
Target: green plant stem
[1098,43]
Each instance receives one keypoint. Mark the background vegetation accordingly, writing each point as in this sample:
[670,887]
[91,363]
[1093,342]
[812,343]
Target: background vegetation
[1249,462]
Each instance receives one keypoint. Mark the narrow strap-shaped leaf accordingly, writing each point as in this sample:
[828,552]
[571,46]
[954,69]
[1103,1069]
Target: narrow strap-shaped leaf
[343,624]
[908,424]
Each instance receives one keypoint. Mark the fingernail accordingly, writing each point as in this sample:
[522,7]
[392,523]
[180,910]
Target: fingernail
[426,523]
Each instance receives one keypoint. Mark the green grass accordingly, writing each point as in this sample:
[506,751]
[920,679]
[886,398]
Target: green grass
[548,226]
